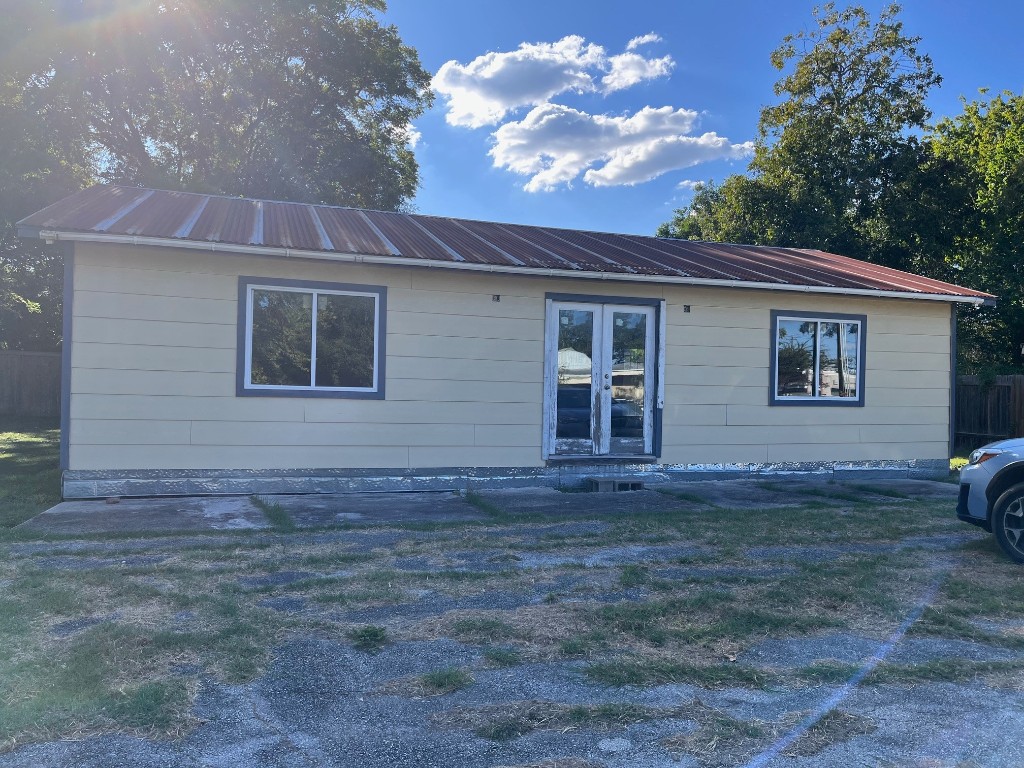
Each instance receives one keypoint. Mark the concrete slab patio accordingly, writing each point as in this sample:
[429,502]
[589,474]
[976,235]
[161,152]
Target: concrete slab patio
[225,513]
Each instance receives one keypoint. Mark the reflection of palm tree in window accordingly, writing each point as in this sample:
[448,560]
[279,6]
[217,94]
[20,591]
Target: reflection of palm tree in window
[817,358]
[842,339]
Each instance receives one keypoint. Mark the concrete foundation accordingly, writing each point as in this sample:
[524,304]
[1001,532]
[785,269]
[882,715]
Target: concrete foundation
[81,484]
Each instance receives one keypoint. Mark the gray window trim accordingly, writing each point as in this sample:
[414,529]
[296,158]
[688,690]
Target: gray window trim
[817,402]
[952,379]
[67,339]
[243,389]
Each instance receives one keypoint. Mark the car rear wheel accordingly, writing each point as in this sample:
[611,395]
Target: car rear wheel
[1008,522]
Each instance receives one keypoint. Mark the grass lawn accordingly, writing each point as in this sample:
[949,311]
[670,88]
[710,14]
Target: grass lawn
[105,634]
[29,473]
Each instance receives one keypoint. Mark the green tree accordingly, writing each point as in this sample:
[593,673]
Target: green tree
[42,159]
[986,143]
[302,100]
[835,157]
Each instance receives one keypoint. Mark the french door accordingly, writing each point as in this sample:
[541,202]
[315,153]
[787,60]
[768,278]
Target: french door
[600,379]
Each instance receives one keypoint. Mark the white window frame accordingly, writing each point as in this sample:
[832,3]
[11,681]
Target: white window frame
[247,288]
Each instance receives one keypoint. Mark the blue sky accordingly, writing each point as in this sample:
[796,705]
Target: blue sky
[580,114]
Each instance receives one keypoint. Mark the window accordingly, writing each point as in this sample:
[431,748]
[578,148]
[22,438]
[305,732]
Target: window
[311,339]
[817,359]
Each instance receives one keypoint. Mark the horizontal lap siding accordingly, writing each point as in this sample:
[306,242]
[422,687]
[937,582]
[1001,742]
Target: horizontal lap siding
[94,457]
[154,357]
[154,371]
[717,391]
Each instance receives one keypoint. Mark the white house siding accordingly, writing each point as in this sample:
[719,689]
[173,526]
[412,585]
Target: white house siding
[154,356]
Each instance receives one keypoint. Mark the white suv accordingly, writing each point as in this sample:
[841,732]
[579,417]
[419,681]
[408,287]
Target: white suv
[992,493]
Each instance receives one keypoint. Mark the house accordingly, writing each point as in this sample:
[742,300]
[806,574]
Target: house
[226,345]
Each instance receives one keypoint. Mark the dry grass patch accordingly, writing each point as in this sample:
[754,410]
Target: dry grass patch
[436,683]
[537,628]
[721,740]
[510,720]
[979,601]
[102,650]
[834,728]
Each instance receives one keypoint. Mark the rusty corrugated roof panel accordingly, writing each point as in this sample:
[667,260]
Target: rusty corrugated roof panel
[350,232]
[291,225]
[472,246]
[409,239]
[531,254]
[154,216]
[546,240]
[83,210]
[224,220]
[143,213]
[873,275]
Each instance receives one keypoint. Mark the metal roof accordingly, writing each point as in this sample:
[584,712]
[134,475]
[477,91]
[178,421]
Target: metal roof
[114,213]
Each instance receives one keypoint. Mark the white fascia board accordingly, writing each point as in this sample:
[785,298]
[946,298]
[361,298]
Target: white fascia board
[398,261]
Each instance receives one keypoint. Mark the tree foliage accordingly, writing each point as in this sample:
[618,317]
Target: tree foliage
[43,159]
[986,144]
[833,157]
[302,100]
[846,162]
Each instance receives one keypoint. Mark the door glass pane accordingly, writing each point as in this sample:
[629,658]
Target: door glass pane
[629,350]
[795,363]
[344,341]
[575,373]
[840,348]
[282,338]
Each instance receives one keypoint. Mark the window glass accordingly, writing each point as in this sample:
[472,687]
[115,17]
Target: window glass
[344,340]
[282,337]
[817,359]
[629,347]
[312,338]
[575,373]
[840,347]
[795,347]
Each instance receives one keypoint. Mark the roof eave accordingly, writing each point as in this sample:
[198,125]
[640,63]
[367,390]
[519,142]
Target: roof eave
[262,250]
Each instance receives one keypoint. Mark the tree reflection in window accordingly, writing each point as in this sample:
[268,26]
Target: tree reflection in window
[344,341]
[282,338]
[312,339]
[817,358]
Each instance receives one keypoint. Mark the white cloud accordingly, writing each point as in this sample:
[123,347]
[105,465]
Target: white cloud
[636,42]
[689,184]
[628,69]
[638,163]
[554,144]
[486,89]
[483,91]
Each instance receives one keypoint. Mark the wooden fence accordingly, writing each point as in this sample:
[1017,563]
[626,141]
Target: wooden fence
[30,385]
[988,410]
